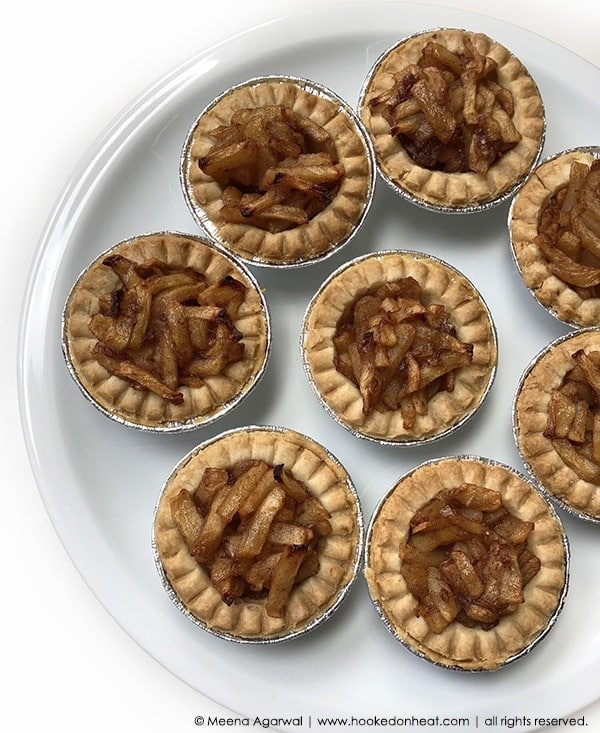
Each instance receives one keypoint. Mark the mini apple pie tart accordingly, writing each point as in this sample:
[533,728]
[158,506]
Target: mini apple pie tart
[400,347]
[258,534]
[166,332]
[467,563]
[456,120]
[556,418]
[279,170]
[554,225]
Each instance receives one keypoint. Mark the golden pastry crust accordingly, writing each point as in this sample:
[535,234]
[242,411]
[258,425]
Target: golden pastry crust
[311,601]
[201,405]
[561,300]
[456,192]
[457,646]
[328,230]
[441,284]
[530,417]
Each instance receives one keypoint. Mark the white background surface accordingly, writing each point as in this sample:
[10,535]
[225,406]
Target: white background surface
[68,69]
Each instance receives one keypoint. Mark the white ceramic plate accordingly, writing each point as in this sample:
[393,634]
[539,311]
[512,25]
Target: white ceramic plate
[99,481]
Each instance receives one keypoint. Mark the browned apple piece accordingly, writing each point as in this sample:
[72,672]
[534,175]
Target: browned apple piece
[254,528]
[466,558]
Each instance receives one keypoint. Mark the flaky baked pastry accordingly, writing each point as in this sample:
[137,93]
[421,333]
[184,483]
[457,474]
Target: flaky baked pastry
[299,144]
[456,120]
[459,646]
[566,465]
[166,332]
[311,601]
[442,289]
[559,261]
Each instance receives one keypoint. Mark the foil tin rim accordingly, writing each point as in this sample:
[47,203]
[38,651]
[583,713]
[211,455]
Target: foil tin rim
[409,441]
[211,230]
[465,209]
[591,150]
[175,426]
[564,541]
[557,501]
[314,622]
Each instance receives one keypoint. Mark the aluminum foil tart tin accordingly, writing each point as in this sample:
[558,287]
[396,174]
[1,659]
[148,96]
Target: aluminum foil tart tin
[579,495]
[557,297]
[459,647]
[313,600]
[326,232]
[206,399]
[442,284]
[454,193]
